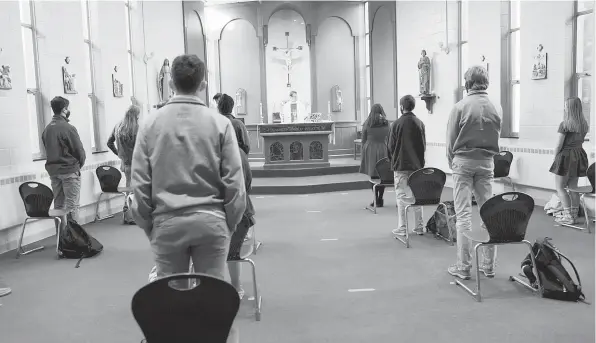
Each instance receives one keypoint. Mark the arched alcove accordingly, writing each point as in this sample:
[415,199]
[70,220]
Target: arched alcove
[196,41]
[335,66]
[239,65]
[287,60]
[382,59]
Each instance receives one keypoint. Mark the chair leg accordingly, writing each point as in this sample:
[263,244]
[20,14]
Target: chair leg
[20,250]
[256,244]
[97,217]
[405,241]
[511,183]
[475,294]
[58,223]
[255,288]
[534,269]
[375,198]
[448,239]
[582,201]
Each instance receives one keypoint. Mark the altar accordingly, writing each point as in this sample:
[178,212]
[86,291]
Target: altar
[296,145]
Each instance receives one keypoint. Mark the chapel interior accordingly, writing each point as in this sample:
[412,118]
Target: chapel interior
[304,76]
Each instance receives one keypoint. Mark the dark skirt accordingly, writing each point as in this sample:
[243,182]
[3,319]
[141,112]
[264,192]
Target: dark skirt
[571,163]
[372,152]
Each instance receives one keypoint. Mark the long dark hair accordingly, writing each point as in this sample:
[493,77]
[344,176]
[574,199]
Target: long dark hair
[377,116]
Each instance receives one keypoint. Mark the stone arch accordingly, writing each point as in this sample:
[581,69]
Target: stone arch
[289,7]
[315,150]
[276,152]
[340,18]
[236,19]
[296,151]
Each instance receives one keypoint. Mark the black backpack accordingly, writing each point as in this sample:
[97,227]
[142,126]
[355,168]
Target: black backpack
[76,243]
[556,281]
[440,224]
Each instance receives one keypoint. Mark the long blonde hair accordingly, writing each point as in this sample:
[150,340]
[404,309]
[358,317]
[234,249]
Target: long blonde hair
[574,120]
[128,127]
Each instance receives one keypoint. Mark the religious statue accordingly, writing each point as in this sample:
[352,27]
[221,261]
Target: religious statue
[288,60]
[336,99]
[117,87]
[540,66]
[241,101]
[424,73]
[5,80]
[294,110]
[163,82]
[68,79]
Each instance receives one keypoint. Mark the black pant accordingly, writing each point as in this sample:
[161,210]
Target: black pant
[379,192]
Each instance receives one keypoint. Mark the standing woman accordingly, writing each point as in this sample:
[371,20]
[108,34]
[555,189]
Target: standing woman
[225,105]
[375,132]
[571,160]
[125,135]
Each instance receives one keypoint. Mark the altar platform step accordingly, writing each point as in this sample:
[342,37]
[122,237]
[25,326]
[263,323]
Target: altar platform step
[338,166]
[309,184]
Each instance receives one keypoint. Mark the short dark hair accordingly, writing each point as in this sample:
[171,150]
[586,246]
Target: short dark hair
[188,71]
[225,105]
[408,103]
[293,93]
[58,104]
[216,97]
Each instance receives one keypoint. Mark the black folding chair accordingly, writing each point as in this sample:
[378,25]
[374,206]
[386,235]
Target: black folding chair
[38,199]
[506,217]
[385,179]
[204,313]
[502,162]
[109,181]
[427,186]
[583,191]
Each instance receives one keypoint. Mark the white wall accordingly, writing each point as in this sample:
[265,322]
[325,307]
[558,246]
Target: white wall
[541,101]
[55,43]
[382,51]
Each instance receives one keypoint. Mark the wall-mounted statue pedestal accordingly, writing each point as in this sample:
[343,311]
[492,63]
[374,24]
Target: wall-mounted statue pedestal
[296,145]
[429,99]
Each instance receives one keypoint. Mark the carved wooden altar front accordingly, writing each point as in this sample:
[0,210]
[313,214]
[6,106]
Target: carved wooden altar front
[296,145]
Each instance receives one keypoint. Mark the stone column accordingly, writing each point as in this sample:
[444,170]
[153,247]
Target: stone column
[310,39]
[357,77]
[263,40]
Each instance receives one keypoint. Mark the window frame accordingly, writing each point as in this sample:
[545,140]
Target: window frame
[579,75]
[368,84]
[41,121]
[507,66]
[129,7]
[461,43]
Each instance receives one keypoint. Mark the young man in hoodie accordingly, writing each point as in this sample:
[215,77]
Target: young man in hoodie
[473,131]
[65,156]
[187,178]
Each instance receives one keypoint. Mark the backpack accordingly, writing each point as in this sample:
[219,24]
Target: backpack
[76,243]
[554,278]
[440,224]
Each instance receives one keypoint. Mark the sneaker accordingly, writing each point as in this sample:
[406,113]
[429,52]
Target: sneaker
[241,293]
[419,230]
[5,291]
[460,273]
[565,219]
[399,232]
[488,272]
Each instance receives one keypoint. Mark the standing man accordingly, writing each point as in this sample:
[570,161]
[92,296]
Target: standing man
[473,133]
[187,178]
[65,156]
[405,148]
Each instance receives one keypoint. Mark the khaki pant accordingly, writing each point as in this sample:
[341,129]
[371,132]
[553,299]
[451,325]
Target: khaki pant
[404,197]
[471,176]
[67,193]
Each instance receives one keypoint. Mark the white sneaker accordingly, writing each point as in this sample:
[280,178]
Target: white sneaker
[399,232]
[419,230]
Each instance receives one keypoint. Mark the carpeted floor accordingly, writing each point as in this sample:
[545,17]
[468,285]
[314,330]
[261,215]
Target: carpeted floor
[316,248]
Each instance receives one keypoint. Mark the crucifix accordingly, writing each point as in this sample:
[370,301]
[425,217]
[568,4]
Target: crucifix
[287,52]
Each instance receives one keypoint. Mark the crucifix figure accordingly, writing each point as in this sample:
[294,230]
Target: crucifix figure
[288,59]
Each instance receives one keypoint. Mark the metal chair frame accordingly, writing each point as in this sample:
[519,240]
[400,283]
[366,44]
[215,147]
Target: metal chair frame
[121,190]
[476,293]
[583,191]
[406,240]
[58,216]
[379,182]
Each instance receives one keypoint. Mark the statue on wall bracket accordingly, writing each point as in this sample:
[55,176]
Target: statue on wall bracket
[241,101]
[336,99]
[424,73]
[117,86]
[68,79]
[540,65]
[5,79]
[163,82]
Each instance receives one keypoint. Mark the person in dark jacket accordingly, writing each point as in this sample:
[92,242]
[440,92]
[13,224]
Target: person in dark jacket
[65,156]
[125,135]
[406,147]
[374,146]
[225,105]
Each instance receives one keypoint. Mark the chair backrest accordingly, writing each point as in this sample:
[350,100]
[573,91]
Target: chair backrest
[109,178]
[503,162]
[204,313]
[590,173]
[383,168]
[427,185]
[37,199]
[506,216]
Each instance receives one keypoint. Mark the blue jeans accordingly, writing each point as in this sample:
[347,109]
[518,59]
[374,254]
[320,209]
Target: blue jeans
[471,176]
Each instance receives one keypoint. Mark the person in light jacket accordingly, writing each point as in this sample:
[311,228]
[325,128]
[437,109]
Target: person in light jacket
[187,178]
[473,131]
